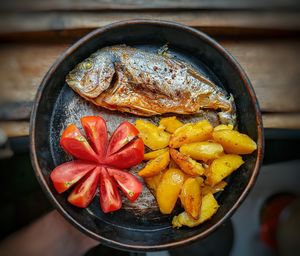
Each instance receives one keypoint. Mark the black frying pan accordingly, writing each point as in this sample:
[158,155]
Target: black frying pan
[139,226]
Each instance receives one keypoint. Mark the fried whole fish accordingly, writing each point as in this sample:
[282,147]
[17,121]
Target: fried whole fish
[143,83]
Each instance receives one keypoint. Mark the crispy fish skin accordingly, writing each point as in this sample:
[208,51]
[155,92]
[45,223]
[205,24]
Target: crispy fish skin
[132,80]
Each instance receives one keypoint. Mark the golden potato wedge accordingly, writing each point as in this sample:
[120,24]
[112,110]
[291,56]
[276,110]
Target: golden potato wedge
[234,142]
[168,190]
[191,132]
[186,164]
[152,182]
[222,167]
[223,127]
[216,188]
[200,180]
[154,154]
[205,150]
[209,207]
[170,124]
[152,136]
[190,197]
[156,165]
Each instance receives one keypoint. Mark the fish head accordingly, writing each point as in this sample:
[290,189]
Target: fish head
[92,76]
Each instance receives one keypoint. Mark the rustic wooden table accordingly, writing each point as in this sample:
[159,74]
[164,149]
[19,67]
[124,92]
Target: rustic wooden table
[264,36]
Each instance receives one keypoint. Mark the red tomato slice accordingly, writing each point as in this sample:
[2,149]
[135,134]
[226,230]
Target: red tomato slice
[67,174]
[75,144]
[95,129]
[110,199]
[125,133]
[127,182]
[132,154]
[85,190]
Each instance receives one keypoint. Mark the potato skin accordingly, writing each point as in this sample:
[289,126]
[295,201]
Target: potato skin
[156,165]
[200,180]
[186,164]
[223,127]
[191,132]
[154,154]
[169,189]
[234,142]
[209,207]
[170,124]
[205,150]
[221,167]
[190,197]
[152,136]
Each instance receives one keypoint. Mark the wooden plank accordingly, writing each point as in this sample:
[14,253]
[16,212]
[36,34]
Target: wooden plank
[277,121]
[146,5]
[284,121]
[272,66]
[15,129]
[243,21]
[15,111]
[24,68]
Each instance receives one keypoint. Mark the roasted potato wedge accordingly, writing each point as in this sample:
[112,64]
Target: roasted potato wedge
[152,136]
[168,190]
[190,197]
[234,142]
[216,188]
[200,180]
[191,132]
[154,154]
[186,164]
[170,124]
[223,127]
[152,182]
[222,167]
[205,150]
[209,207]
[156,165]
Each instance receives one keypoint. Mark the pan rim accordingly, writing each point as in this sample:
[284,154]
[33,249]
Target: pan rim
[246,83]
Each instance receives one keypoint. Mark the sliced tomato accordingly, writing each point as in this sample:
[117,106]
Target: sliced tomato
[127,182]
[85,190]
[132,154]
[67,174]
[96,131]
[75,144]
[110,199]
[124,134]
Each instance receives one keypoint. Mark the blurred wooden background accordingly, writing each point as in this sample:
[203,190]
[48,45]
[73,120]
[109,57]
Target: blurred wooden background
[264,36]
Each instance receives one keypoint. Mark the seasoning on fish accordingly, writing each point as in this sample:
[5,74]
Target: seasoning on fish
[136,81]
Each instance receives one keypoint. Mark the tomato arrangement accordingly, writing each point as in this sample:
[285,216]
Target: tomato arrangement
[99,162]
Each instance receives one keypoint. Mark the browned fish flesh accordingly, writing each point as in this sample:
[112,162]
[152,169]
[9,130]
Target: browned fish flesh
[143,83]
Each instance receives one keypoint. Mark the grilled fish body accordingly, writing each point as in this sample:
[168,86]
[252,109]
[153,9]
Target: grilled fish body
[132,80]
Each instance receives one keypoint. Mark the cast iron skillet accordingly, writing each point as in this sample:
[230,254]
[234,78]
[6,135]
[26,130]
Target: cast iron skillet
[139,226]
